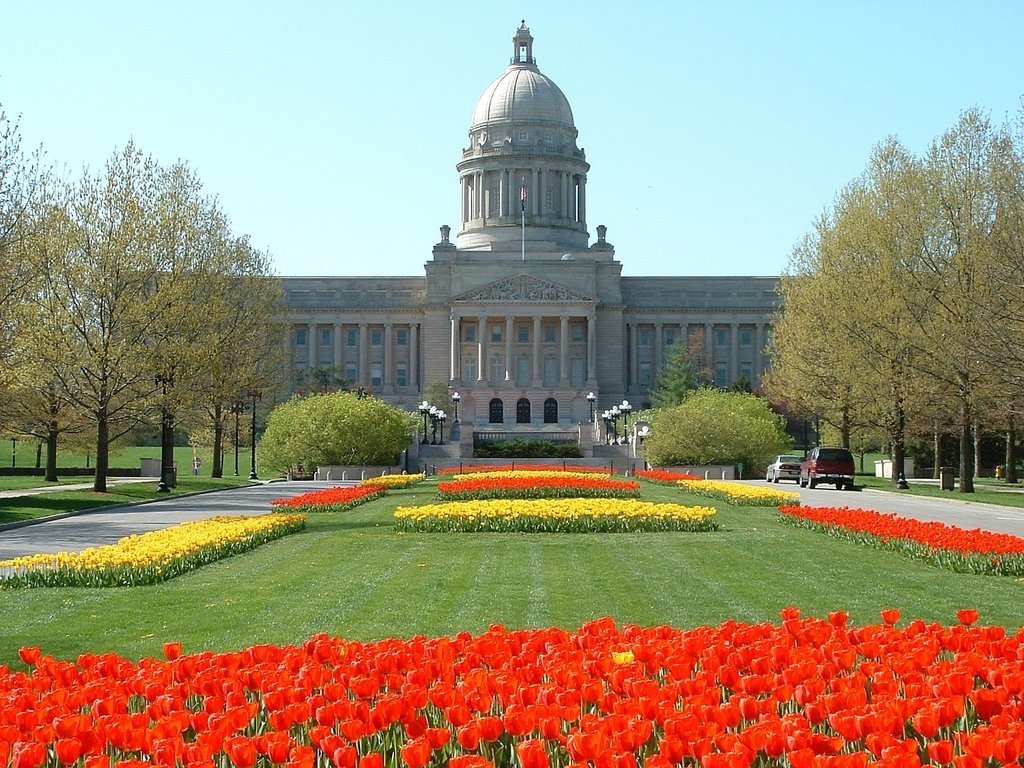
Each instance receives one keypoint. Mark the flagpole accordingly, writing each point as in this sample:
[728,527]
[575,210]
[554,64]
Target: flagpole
[522,205]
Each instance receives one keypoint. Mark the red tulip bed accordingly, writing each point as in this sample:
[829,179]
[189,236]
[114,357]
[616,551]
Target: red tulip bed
[331,499]
[801,693]
[960,550]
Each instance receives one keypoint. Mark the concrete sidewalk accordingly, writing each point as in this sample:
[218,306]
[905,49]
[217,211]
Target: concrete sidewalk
[16,492]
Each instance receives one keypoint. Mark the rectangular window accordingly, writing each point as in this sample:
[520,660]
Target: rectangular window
[721,375]
[645,375]
[351,373]
[401,375]
[523,333]
[352,337]
[549,200]
[469,333]
[576,330]
[376,374]
[668,337]
[492,201]
[524,372]
[747,372]
[326,337]
[550,371]
[469,369]
[577,371]
[746,337]
[376,337]
[401,337]
[497,370]
[300,337]
[643,337]
[496,332]
[721,337]
[550,333]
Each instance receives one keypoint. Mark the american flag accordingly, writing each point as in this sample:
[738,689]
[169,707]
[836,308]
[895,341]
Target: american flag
[522,197]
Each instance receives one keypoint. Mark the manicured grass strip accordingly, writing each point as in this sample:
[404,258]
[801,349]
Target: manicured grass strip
[150,557]
[945,546]
[330,499]
[739,494]
[352,575]
[574,515]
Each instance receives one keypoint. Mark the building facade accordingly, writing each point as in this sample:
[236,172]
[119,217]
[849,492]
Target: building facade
[524,316]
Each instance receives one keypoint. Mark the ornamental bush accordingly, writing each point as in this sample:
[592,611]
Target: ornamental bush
[334,428]
[714,427]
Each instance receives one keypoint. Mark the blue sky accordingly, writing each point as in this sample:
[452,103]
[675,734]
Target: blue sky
[716,131]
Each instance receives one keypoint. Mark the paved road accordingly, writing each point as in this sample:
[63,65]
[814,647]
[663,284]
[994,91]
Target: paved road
[100,527]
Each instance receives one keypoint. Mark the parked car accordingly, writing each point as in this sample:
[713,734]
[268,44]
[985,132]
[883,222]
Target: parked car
[827,465]
[785,467]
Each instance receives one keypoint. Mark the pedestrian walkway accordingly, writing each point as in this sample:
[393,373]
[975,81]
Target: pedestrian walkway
[16,492]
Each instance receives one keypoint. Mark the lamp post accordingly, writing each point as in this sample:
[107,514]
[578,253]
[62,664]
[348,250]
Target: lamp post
[167,480]
[255,394]
[433,424]
[614,413]
[625,408]
[591,397]
[424,412]
[456,397]
[607,418]
[441,416]
[236,408]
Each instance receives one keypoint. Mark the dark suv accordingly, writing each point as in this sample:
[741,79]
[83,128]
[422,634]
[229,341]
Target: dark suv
[827,465]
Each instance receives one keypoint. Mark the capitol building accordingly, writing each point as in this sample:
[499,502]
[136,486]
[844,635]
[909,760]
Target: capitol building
[525,313]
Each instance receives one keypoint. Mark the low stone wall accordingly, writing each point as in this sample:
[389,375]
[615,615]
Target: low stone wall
[336,473]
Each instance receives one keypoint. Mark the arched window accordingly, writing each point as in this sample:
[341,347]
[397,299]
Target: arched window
[551,411]
[496,411]
[523,411]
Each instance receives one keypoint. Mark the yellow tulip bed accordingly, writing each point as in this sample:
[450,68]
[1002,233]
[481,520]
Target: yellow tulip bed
[553,516]
[521,473]
[739,494]
[151,557]
[392,481]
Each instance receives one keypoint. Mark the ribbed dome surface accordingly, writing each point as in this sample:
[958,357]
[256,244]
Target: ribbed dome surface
[522,95]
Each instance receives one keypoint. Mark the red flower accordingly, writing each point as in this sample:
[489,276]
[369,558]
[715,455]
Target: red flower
[891,615]
[967,616]
[172,651]
[941,751]
[416,753]
[241,751]
[30,654]
[532,754]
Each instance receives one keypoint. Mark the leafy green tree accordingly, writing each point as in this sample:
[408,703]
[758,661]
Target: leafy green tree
[715,427]
[678,377]
[334,428]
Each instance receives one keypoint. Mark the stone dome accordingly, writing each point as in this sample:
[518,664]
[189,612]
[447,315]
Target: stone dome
[522,95]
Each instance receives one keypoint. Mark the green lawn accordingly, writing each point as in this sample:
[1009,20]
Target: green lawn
[127,456]
[986,490]
[351,574]
[57,502]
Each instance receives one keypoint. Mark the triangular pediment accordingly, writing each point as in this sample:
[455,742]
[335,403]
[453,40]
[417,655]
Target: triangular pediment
[523,288]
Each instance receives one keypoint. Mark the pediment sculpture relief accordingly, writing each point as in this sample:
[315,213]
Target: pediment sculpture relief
[523,288]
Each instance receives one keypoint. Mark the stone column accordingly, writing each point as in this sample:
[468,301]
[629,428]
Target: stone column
[564,194]
[583,198]
[337,347]
[563,364]
[385,377]
[542,195]
[537,377]
[364,356]
[658,351]
[758,367]
[633,366]
[481,348]
[734,354]
[709,346]
[508,348]
[592,346]
[414,356]
[311,345]
[453,354]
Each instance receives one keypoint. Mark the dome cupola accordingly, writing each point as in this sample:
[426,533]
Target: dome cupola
[522,176]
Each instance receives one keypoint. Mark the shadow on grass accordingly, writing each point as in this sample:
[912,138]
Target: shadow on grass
[44,505]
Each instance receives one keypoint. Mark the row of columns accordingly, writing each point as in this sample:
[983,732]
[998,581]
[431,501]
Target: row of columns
[658,357]
[483,320]
[387,343]
[476,203]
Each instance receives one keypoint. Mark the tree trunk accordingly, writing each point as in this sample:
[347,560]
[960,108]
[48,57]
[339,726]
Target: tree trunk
[1011,452]
[937,453]
[39,455]
[99,483]
[966,449]
[977,448]
[899,446]
[844,429]
[51,452]
[218,442]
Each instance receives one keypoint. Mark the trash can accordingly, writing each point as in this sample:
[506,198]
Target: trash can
[946,478]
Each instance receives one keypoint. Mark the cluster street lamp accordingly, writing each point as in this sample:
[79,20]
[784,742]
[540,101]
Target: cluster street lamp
[424,410]
[456,397]
[255,395]
[237,408]
[591,397]
[167,481]
[624,409]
